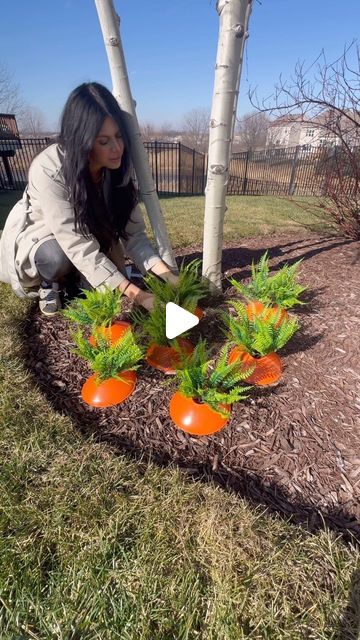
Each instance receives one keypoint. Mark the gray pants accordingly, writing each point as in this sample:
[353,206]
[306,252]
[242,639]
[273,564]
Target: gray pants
[53,264]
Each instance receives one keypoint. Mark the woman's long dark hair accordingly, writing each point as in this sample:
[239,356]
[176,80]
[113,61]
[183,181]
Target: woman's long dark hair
[83,116]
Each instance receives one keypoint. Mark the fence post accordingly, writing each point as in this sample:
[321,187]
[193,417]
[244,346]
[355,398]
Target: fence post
[8,171]
[156,169]
[204,172]
[293,172]
[179,169]
[193,172]
[246,169]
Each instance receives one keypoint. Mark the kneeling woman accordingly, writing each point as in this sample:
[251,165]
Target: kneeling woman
[79,213]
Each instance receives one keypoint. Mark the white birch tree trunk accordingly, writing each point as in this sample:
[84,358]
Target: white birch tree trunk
[233,30]
[110,27]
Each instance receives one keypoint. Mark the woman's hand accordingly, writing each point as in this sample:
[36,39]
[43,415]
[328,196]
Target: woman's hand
[134,293]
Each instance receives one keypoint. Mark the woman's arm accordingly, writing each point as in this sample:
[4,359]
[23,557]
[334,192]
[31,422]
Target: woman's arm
[138,246]
[50,197]
[144,298]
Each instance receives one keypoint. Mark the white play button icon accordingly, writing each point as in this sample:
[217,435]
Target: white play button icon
[178,320]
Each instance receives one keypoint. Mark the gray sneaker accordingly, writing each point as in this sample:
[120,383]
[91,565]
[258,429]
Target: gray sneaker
[49,302]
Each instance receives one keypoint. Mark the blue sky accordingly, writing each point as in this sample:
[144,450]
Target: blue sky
[51,46]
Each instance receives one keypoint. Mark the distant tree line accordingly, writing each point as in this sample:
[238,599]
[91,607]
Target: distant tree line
[30,119]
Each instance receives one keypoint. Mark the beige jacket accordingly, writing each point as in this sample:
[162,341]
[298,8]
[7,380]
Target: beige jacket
[44,212]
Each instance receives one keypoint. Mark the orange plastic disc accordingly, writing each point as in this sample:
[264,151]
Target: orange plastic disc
[268,369]
[166,358]
[199,313]
[113,333]
[196,418]
[255,308]
[110,391]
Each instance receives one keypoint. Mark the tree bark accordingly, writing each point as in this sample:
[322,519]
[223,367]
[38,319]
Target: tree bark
[110,27]
[233,30]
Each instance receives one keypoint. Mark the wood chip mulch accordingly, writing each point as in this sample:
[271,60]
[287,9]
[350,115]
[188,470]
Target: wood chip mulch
[294,447]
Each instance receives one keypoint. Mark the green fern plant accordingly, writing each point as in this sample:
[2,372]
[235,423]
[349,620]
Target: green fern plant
[213,383]
[96,308]
[151,325]
[107,360]
[256,288]
[186,292]
[262,334]
[281,289]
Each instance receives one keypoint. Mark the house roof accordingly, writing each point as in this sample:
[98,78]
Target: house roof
[286,120]
[321,119]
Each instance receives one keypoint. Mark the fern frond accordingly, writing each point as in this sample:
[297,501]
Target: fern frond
[186,292]
[240,332]
[240,309]
[210,382]
[256,288]
[97,307]
[153,323]
[286,331]
[263,333]
[281,288]
[109,360]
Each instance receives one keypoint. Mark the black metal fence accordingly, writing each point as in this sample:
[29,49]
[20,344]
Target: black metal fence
[292,171]
[15,159]
[177,170]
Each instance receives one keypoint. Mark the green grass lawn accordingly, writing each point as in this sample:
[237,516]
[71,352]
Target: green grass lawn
[96,546]
[246,216]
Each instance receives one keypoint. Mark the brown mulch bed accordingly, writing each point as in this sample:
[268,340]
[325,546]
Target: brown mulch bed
[294,447]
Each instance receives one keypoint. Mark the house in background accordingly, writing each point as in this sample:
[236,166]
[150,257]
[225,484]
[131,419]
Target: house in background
[294,130]
[284,131]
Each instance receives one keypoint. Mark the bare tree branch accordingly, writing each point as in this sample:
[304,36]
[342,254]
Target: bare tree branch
[31,122]
[196,129]
[327,95]
[11,100]
[251,131]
